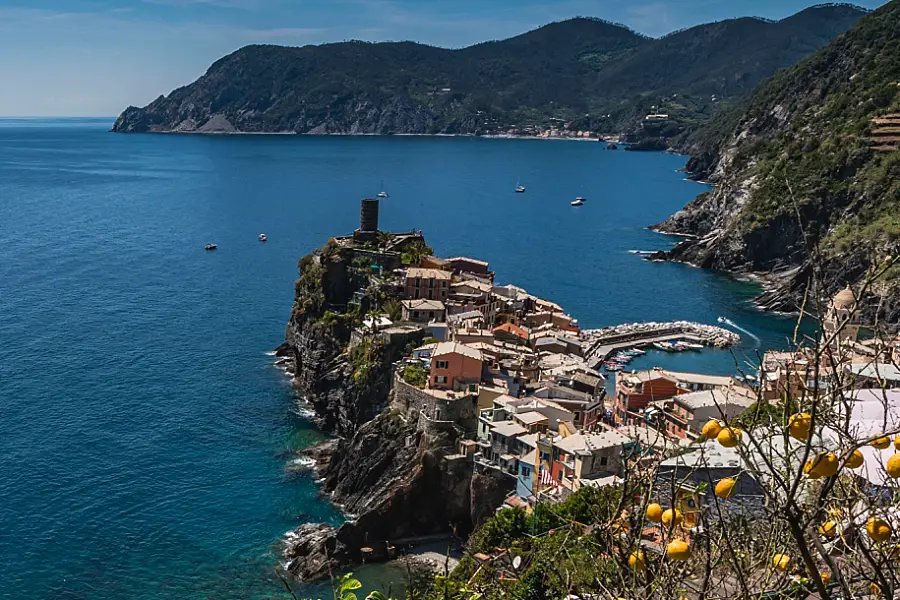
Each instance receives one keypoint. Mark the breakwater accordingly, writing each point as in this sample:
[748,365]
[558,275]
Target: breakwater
[603,342]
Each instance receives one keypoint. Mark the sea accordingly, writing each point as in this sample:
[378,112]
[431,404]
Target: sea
[146,438]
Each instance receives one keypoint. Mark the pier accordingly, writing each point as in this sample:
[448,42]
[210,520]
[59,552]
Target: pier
[605,342]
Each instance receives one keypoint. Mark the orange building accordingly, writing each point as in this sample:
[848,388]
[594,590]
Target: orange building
[455,366]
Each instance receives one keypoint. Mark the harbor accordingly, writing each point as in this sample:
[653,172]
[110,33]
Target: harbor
[612,347]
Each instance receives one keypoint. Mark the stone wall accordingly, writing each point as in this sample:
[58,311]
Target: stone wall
[414,402]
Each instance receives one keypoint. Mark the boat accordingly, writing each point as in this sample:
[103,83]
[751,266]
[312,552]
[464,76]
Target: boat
[520,189]
[262,237]
[382,193]
[669,346]
[210,247]
[578,202]
[722,320]
[692,346]
[580,198]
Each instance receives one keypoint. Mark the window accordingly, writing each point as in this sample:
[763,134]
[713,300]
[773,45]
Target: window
[526,471]
[440,379]
[604,460]
[442,364]
[418,282]
[431,283]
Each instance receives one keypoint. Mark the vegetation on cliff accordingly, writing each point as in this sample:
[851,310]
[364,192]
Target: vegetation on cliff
[597,74]
[804,168]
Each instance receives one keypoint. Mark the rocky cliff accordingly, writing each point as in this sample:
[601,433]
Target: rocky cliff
[392,470]
[806,174]
[598,75]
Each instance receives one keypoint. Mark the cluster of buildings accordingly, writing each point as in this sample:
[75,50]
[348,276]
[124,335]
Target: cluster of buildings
[512,374]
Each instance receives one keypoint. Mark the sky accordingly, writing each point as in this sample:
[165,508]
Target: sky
[95,57]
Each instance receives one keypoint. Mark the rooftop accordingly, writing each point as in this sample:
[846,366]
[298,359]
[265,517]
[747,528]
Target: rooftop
[880,371]
[415,272]
[584,444]
[735,395]
[530,418]
[698,378]
[508,428]
[444,348]
[475,261]
[423,304]
[512,329]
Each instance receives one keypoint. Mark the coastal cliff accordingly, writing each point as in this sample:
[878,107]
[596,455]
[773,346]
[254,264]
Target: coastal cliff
[806,174]
[393,469]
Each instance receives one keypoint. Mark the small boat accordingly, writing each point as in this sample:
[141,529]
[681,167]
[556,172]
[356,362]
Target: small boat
[692,346]
[722,320]
[520,189]
[210,247]
[262,237]
[578,201]
[382,193]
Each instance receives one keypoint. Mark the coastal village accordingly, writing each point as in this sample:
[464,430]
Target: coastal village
[544,408]
[554,407]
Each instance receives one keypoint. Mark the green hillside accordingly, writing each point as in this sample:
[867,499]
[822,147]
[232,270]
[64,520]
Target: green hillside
[598,75]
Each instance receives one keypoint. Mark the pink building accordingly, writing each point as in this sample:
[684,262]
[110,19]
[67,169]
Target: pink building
[431,284]
[454,366]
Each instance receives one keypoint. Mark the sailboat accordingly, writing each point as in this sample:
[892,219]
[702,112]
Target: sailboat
[520,189]
[382,193]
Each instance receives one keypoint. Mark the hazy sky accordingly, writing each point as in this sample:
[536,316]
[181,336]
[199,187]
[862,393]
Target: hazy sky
[95,57]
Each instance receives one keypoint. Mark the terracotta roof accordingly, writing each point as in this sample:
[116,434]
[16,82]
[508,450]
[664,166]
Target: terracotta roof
[457,348]
[513,329]
[415,272]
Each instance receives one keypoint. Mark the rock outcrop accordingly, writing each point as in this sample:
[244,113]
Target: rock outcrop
[393,470]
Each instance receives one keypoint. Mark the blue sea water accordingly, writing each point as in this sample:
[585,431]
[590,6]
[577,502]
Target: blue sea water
[142,426]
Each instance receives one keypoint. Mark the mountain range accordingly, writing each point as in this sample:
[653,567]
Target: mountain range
[807,173]
[596,75]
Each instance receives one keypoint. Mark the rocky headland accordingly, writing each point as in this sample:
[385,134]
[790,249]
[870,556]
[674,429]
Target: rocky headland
[805,176]
[394,472]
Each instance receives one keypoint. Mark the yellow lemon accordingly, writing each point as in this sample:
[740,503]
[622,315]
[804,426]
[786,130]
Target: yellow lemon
[855,460]
[678,550]
[636,560]
[825,577]
[729,437]
[824,464]
[654,513]
[877,529]
[828,529]
[893,466]
[781,561]
[897,443]
[799,426]
[672,517]
[726,487]
[881,443]
[874,589]
[711,429]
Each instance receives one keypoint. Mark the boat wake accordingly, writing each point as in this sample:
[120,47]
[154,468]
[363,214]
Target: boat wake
[731,323]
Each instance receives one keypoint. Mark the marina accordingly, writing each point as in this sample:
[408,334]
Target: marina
[623,341]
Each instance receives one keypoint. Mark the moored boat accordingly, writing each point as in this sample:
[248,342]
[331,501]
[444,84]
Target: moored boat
[578,202]
[262,237]
[210,247]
